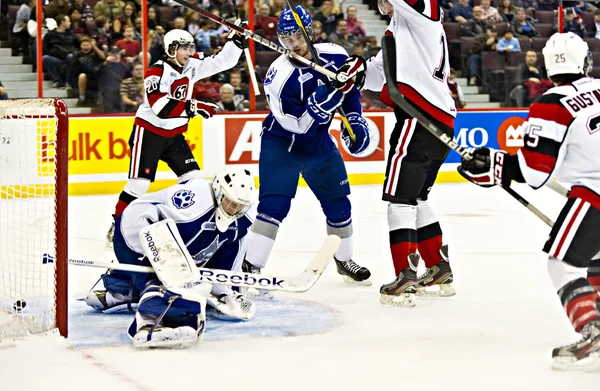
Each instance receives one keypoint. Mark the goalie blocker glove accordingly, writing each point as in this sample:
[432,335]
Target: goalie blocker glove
[361,131]
[203,108]
[490,167]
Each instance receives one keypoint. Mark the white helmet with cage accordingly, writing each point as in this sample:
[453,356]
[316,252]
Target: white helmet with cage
[175,39]
[234,193]
[567,53]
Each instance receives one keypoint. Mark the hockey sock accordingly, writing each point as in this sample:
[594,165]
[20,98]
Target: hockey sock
[124,200]
[344,253]
[403,234]
[429,234]
[593,275]
[578,300]
[261,239]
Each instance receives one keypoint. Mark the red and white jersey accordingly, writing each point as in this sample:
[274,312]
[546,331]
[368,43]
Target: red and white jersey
[562,137]
[422,59]
[167,88]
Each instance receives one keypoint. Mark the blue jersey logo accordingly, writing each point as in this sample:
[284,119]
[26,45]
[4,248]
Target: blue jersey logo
[183,199]
[270,76]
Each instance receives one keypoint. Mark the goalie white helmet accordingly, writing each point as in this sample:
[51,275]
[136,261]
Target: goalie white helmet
[234,194]
[566,53]
[175,39]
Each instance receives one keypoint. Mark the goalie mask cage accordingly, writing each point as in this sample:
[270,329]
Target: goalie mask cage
[33,217]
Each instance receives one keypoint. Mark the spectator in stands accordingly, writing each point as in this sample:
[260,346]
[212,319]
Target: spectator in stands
[78,27]
[309,6]
[226,9]
[319,34]
[202,37]
[179,23]
[109,8]
[207,90]
[265,22]
[521,27]
[546,5]
[342,37]
[127,18]
[277,7]
[132,89]
[155,46]
[455,90]
[101,33]
[474,26]
[483,42]
[489,13]
[111,77]
[461,12]
[584,6]
[527,5]
[355,25]
[372,46]
[130,48]
[595,30]
[58,48]
[571,24]
[49,24]
[508,43]
[239,91]
[226,102]
[358,50]
[507,10]
[20,33]
[87,63]
[154,22]
[531,81]
[3,92]
[328,17]
[192,20]
[57,7]
[87,14]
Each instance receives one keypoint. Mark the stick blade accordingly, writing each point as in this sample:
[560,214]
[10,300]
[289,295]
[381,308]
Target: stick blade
[305,280]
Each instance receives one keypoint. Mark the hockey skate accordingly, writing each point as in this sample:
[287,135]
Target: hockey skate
[232,307]
[583,355]
[401,292]
[166,337]
[353,273]
[437,280]
[260,294]
[110,235]
[109,302]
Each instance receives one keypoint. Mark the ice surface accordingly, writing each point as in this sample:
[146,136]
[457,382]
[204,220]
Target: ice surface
[497,333]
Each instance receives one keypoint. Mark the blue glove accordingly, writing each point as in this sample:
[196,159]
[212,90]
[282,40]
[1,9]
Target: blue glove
[323,102]
[361,131]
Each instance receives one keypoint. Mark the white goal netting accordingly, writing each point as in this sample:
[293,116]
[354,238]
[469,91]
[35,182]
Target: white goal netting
[29,132]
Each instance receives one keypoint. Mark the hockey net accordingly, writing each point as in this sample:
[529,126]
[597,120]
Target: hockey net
[33,217]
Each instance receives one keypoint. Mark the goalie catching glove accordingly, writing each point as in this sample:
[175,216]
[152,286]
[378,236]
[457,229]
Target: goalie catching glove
[352,72]
[203,108]
[361,132]
[489,167]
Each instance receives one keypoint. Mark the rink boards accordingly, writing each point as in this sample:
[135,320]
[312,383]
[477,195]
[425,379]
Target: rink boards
[99,151]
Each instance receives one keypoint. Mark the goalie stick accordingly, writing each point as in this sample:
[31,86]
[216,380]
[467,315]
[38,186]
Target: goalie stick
[388,45]
[296,284]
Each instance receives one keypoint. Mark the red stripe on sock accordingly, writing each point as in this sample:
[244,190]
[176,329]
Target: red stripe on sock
[582,310]
[400,253]
[430,250]
[121,205]
[595,281]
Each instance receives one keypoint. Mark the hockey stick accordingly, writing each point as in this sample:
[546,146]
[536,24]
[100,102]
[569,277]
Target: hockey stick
[296,284]
[558,188]
[388,45]
[247,55]
[315,58]
[257,38]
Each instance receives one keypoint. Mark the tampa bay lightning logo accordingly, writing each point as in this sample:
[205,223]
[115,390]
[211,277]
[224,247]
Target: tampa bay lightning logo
[270,76]
[183,199]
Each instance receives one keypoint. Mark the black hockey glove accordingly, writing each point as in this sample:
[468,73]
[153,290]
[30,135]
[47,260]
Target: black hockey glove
[203,108]
[239,39]
[487,168]
[361,131]
[351,72]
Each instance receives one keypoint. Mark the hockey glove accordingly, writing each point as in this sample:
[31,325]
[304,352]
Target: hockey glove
[486,169]
[323,102]
[361,131]
[204,108]
[351,72]
[238,39]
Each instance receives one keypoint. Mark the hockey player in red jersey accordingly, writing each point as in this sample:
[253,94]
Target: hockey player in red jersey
[415,155]
[168,107]
[562,140]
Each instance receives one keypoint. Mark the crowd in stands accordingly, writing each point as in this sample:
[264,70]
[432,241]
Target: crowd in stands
[93,48]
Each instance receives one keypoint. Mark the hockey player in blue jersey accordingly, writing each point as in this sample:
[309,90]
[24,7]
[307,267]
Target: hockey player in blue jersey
[212,220]
[295,141]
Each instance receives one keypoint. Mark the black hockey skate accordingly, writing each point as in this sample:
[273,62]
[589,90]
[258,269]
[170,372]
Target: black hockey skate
[261,294]
[437,280]
[583,355]
[353,273]
[401,292]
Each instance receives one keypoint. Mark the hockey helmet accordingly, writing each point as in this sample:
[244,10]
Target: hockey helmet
[175,39]
[567,53]
[288,31]
[233,190]
[385,7]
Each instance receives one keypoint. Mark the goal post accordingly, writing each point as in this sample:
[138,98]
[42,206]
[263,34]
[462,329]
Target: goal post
[33,217]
